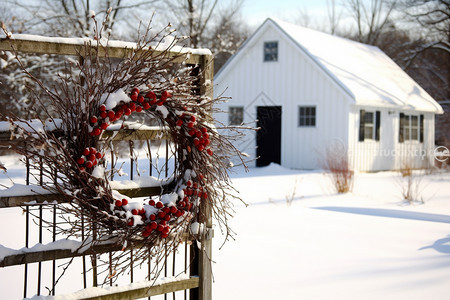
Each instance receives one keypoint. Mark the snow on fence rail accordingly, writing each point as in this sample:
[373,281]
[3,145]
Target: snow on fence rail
[196,275]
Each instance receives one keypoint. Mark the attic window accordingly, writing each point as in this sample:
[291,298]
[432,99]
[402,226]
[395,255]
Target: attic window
[270,51]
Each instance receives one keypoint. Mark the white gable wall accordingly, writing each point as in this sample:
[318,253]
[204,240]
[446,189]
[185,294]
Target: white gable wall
[294,80]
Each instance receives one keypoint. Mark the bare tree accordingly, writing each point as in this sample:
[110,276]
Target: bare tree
[73,18]
[371,19]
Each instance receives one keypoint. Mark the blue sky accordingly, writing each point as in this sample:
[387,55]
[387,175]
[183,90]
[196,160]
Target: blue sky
[256,11]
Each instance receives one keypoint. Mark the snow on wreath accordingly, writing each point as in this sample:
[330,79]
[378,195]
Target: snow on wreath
[102,93]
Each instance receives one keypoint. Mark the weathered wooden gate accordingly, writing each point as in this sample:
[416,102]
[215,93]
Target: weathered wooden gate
[40,267]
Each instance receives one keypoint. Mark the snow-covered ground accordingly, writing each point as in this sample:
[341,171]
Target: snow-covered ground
[297,239]
[365,245]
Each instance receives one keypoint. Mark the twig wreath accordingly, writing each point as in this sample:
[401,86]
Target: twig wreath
[71,154]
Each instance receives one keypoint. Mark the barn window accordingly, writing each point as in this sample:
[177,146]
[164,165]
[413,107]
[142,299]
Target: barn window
[369,125]
[270,51]
[307,116]
[410,128]
[236,115]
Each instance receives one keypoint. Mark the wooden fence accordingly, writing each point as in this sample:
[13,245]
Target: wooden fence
[195,283]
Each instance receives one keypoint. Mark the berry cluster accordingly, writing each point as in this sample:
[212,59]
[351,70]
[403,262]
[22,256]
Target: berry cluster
[89,158]
[139,103]
[199,135]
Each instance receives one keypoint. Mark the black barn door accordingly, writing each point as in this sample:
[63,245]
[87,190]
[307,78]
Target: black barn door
[268,138]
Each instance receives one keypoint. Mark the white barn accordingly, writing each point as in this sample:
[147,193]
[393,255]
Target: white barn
[310,91]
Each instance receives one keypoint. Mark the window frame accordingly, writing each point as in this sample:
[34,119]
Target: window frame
[375,124]
[232,110]
[309,116]
[270,54]
[410,130]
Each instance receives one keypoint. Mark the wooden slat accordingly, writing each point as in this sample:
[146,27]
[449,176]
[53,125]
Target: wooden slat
[150,290]
[48,198]
[65,46]
[6,138]
[47,255]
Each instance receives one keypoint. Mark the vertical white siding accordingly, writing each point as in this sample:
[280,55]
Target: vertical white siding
[292,81]
[389,153]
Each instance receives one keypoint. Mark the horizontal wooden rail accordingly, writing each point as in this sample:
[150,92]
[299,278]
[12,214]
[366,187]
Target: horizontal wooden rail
[6,137]
[14,201]
[48,255]
[150,290]
[77,47]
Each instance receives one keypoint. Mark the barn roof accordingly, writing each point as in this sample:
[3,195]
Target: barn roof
[364,72]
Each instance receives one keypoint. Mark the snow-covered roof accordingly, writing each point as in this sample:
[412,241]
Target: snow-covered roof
[364,72]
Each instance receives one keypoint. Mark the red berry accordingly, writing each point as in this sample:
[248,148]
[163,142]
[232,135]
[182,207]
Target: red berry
[86,152]
[207,142]
[210,152]
[98,155]
[198,133]
[196,141]
[160,102]
[111,114]
[82,168]
[192,119]
[146,233]
[166,210]
[161,214]
[150,95]
[166,95]
[134,96]
[102,107]
[92,150]
[159,205]
[140,99]
[191,132]
[173,210]
[190,125]
[189,183]
[80,161]
[206,135]
[97,131]
[164,235]
[94,163]
[89,164]
[92,157]
[124,201]
[139,108]
[201,147]
[127,112]
[133,106]
[160,227]
[103,114]
[130,222]
[118,203]
[146,105]
[152,217]
[203,129]
[151,202]
[205,195]
[135,212]
[124,106]
[104,125]
[93,120]
[142,211]
[135,90]
[178,213]
[153,225]
[179,123]
[118,114]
